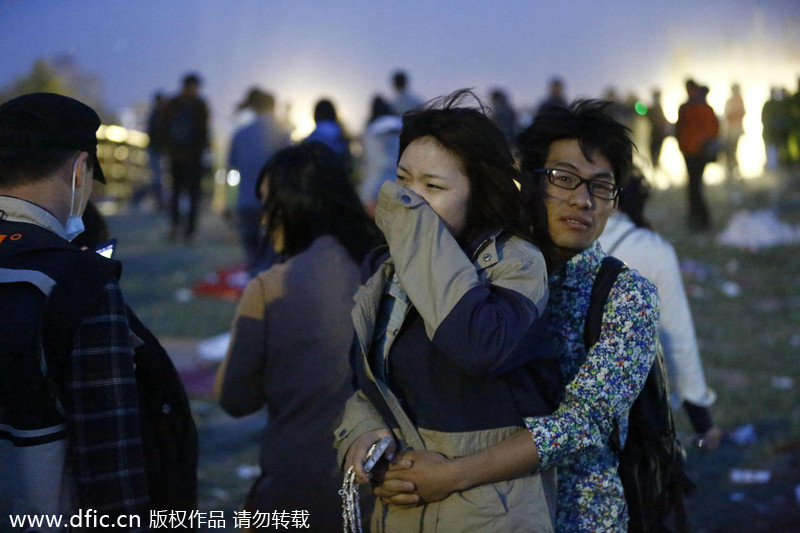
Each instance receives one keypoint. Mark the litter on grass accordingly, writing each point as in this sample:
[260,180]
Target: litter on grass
[749,477]
[248,471]
[744,435]
[782,382]
[731,289]
[183,295]
[753,230]
[214,348]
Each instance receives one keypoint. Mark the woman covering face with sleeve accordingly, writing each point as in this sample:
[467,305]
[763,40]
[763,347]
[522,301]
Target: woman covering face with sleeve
[449,353]
[575,161]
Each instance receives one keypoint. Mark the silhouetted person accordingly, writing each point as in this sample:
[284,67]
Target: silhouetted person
[504,115]
[252,145]
[775,119]
[404,99]
[734,127]
[555,96]
[659,127]
[621,111]
[330,132]
[696,130]
[187,119]
[381,143]
[156,150]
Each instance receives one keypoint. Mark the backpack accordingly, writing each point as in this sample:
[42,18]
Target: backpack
[651,464]
[169,435]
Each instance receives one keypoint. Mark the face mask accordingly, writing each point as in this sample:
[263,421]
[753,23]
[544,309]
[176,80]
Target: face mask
[74,225]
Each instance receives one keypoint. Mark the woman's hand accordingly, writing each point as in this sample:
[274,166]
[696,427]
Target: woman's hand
[419,477]
[357,453]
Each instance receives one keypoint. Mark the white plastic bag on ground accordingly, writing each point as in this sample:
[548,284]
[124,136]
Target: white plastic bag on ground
[758,229]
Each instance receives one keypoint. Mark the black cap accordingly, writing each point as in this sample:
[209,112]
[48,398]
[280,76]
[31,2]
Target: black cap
[47,120]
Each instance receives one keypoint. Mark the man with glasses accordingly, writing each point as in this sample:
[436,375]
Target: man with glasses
[575,160]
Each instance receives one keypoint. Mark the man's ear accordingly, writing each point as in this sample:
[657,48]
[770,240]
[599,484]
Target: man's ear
[81,170]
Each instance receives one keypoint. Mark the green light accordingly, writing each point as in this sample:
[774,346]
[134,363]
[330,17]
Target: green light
[641,108]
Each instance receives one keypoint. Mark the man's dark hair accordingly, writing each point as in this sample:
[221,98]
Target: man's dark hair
[400,80]
[481,148]
[23,166]
[310,195]
[192,78]
[585,121]
[324,110]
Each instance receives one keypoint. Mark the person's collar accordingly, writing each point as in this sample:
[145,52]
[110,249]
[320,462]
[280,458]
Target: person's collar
[582,266]
[18,210]
[479,243]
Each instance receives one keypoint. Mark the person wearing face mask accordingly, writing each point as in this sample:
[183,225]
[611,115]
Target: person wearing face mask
[70,437]
[449,354]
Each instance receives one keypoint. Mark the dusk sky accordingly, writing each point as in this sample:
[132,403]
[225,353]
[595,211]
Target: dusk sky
[346,49]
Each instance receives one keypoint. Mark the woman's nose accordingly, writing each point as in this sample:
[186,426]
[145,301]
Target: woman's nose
[417,188]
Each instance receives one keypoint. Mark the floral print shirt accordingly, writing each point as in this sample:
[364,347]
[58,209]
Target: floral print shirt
[600,387]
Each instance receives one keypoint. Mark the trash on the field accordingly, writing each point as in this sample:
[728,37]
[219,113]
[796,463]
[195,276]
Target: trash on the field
[731,289]
[746,477]
[782,382]
[215,348]
[183,295]
[758,229]
[248,471]
[744,435]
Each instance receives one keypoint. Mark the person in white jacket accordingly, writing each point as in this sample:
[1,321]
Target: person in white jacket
[629,237]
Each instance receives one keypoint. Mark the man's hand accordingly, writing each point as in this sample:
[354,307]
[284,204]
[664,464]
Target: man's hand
[357,453]
[419,477]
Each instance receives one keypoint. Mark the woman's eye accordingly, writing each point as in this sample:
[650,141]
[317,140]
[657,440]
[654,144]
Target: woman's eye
[433,186]
[400,178]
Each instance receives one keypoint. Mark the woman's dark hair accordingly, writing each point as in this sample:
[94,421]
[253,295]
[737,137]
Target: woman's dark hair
[477,143]
[633,199]
[585,121]
[310,195]
[324,110]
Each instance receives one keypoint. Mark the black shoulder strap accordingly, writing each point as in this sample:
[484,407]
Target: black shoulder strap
[610,268]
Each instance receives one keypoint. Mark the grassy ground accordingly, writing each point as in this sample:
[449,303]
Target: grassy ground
[750,344]
[746,306]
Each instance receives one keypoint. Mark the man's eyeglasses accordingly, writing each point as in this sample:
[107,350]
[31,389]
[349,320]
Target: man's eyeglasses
[564,179]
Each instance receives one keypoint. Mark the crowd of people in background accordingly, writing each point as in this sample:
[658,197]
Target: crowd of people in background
[469,235]
[179,146]
[780,118]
